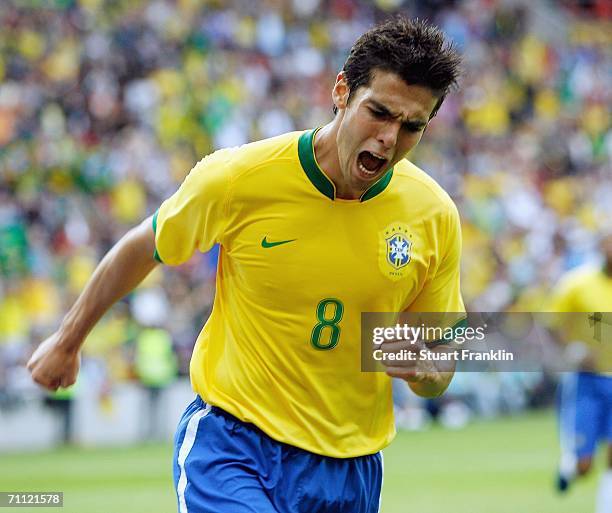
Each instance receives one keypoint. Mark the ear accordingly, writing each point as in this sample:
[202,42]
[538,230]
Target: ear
[340,92]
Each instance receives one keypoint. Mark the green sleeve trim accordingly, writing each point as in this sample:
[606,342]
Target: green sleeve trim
[155,253]
[451,335]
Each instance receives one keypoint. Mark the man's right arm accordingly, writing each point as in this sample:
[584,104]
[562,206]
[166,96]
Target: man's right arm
[55,363]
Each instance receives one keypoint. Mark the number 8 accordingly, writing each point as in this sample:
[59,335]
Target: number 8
[332,324]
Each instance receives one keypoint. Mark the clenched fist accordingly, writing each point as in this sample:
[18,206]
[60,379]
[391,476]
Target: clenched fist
[54,364]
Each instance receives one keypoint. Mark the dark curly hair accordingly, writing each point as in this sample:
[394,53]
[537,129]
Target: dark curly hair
[416,51]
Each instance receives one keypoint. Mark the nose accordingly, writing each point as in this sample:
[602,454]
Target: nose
[388,133]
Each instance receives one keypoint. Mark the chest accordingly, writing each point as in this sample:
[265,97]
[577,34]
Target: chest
[379,257]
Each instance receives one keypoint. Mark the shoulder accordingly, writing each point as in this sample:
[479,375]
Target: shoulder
[417,186]
[258,154]
[224,167]
[578,277]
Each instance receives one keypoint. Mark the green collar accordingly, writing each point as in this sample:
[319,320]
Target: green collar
[320,180]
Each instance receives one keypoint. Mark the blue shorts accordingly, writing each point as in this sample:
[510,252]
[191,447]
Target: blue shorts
[585,412]
[223,465]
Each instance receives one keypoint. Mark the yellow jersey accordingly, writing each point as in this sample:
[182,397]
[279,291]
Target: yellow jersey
[588,290]
[297,267]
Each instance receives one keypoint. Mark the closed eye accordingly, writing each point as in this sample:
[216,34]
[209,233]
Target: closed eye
[413,127]
[409,126]
[378,114]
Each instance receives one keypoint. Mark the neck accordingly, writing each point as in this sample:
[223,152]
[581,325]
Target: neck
[326,153]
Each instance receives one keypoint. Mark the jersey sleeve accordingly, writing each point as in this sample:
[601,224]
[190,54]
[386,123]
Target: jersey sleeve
[442,293]
[195,216]
[561,300]
[562,297]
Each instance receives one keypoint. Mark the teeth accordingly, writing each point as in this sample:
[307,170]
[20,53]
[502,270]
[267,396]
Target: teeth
[364,170]
[378,156]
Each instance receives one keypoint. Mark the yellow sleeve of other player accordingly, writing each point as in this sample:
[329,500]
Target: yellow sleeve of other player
[442,292]
[195,216]
[562,298]
[572,296]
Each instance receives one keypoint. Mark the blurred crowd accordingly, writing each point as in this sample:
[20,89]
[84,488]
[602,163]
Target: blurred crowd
[105,106]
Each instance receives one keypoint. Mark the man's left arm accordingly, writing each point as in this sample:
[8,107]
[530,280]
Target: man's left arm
[430,377]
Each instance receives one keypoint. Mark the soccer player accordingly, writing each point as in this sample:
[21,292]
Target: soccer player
[315,227]
[585,399]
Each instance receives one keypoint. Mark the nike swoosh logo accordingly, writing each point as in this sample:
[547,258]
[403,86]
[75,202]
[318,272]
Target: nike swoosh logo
[266,244]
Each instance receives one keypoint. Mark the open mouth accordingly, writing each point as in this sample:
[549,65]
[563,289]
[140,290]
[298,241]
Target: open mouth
[370,163]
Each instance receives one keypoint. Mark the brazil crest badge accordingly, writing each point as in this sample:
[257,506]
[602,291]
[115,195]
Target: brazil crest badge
[395,251]
[398,250]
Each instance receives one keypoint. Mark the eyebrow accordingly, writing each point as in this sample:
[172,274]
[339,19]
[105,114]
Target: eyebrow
[385,110]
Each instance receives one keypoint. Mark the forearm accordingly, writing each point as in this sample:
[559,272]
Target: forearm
[119,272]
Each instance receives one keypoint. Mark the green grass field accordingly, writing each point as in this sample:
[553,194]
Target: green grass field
[501,466]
